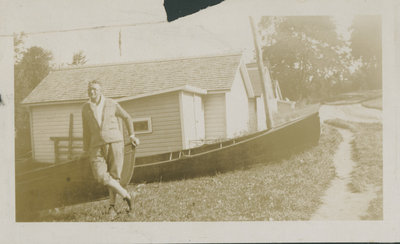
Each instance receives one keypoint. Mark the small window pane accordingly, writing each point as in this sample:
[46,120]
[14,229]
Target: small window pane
[141,126]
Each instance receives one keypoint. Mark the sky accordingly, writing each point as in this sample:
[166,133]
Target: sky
[219,29]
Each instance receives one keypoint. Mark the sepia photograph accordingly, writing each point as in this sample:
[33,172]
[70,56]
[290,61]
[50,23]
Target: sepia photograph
[219,111]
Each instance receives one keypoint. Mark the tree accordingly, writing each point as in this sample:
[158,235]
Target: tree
[18,46]
[366,45]
[78,59]
[28,72]
[304,54]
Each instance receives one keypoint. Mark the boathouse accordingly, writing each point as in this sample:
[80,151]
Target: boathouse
[276,102]
[176,104]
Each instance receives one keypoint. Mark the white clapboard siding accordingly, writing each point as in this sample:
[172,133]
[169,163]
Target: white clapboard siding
[214,116]
[252,115]
[237,108]
[261,119]
[192,119]
[163,110]
[53,121]
[199,117]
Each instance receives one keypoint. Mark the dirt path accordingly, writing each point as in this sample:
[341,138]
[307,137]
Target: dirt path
[338,202]
[353,112]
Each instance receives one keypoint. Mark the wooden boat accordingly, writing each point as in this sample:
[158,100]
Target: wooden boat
[72,182]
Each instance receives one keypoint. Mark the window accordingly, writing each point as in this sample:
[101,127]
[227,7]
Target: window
[142,125]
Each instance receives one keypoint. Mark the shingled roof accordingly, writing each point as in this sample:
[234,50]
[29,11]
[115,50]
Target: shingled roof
[131,79]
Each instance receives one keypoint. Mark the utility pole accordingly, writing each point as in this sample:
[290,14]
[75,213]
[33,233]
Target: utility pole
[268,114]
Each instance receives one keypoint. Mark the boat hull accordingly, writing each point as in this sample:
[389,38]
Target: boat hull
[233,154]
[72,182]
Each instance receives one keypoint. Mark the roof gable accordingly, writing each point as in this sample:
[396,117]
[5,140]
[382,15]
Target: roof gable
[255,79]
[133,79]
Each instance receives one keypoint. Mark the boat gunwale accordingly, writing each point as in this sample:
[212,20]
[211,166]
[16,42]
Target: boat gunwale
[265,132]
[259,134]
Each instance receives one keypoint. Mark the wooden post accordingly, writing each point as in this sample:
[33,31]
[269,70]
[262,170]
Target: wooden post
[70,135]
[56,150]
[268,114]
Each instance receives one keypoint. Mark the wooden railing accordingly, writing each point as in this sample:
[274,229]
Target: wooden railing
[65,147]
[69,149]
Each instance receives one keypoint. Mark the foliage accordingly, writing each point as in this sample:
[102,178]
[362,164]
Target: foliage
[28,72]
[366,45]
[366,37]
[78,58]
[33,67]
[305,54]
[18,46]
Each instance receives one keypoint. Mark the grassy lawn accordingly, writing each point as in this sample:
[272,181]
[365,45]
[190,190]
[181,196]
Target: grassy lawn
[367,153]
[374,103]
[288,189]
